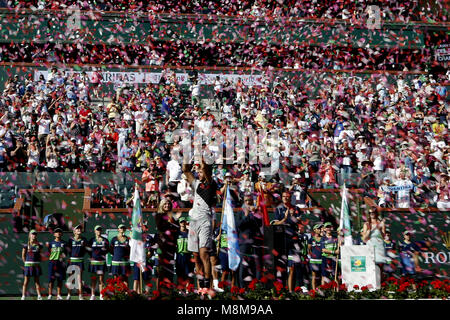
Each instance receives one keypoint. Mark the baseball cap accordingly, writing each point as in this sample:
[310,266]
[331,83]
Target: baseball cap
[32,231]
[228,174]
[121,226]
[182,219]
[317,226]
[327,224]
[98,227]
[78,226]
[57,230]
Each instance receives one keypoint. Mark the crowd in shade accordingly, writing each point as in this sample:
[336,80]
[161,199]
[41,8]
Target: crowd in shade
[178,53]
[392,135]
[345,9]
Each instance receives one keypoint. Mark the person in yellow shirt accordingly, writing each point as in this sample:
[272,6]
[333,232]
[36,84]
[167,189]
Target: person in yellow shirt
[266,188]
[260,118]
[438,128]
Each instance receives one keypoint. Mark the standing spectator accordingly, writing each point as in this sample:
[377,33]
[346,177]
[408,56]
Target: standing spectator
[404,188]
[373,235]
[33,156]
[185,191]
[195,93]
[3,156]
[384,194]
[443,193]
[43,130]
[173,175]
[18,158]
[126,156]
[168,229]
[299,192]
[289,216]
[151,179]
[265,188]
[328,173]
[250,241]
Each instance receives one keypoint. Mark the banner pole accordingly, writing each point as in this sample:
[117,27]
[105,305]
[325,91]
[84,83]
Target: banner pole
[337,264]
[221,218]
[140,278]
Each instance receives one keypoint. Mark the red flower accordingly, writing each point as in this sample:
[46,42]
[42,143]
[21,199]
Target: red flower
[264,279]
[149,285]
[234,290]
[364,288]
[190,287]
[241,291]
[252,285]
[356,287]
[298,289]
[278,286]
[156,294]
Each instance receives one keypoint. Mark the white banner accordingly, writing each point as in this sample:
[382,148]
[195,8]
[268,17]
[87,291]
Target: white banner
[359,268]
[443,52]
[155,77]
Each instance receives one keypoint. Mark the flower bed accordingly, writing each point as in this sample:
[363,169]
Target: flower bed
[263,289]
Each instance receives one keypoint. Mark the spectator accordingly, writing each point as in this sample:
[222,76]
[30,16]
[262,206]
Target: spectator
[168,229]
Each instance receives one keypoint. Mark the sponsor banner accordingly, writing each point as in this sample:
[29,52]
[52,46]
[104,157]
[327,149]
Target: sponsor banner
[155,77]
[401,188]
[443,53]
[358,267]
[358,263]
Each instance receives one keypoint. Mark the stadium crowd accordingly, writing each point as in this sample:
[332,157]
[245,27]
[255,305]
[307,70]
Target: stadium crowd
[160,53]
[390,10]
[388,134]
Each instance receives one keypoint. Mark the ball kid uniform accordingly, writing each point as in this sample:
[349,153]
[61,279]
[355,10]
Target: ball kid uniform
[390,252]
[32,260]
[223,251]
[298,258]
[99,249]
[315,258]
[183,263]
[149,263]
[329,260]
[120,265]
[77,250]
[56,267]
[406,257]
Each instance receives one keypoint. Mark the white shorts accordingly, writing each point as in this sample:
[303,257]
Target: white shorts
[200,234]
